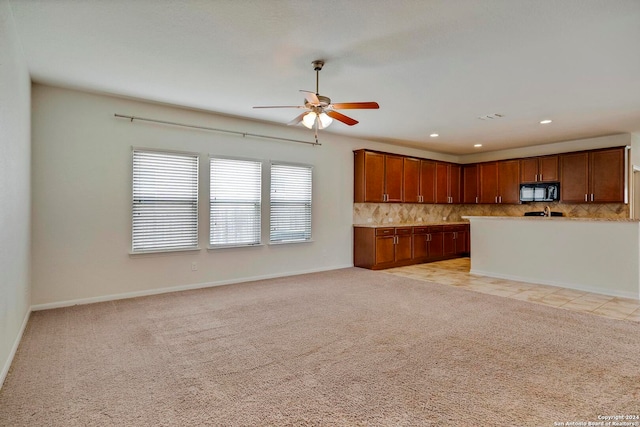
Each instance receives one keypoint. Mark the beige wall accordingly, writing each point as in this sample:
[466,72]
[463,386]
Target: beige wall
[82,198]
[14,189]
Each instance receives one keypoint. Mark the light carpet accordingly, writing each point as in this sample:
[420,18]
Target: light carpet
[347,347]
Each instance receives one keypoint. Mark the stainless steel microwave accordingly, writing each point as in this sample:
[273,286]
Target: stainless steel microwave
[540,192]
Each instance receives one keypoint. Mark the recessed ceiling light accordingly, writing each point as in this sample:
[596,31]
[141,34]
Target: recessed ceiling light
[434,135]
[545,122]
[477,145]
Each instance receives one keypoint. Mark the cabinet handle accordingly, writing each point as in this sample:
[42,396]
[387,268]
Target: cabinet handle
[500,199]
[540,177]
[495,200]
[585,198]
[476,199]
[536,177]
[592,197]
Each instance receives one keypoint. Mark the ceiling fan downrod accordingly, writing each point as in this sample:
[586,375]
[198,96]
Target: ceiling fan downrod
[317,66]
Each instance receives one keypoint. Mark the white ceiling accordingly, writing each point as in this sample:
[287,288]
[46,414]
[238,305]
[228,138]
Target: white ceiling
[432,65]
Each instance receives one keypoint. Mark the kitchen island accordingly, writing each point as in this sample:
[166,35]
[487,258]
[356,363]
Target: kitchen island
[588,254]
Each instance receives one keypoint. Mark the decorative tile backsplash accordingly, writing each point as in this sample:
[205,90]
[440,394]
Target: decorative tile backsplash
[381,213]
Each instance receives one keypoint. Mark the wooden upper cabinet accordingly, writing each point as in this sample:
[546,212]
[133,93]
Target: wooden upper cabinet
[508,184]
[488,176]
[539,169]
[606,176]
[470,188]
[499,182]
[393,174]
[455,181]
[368,180]
[419,181]
[442,182]
[377,177]
[411,177]
[593,176]
[448,179]
[574,184]
[548,169]
[529,169]
[428,181]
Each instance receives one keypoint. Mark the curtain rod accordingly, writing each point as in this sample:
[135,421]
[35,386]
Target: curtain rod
[233,132]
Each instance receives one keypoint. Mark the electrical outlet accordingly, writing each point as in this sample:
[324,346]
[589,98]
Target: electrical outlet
[419,219]
[194,266]
[369,220]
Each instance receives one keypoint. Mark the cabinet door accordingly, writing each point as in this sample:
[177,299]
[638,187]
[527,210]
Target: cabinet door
[548,169]
[574,177]
[371,176]
[428,181]
[607,176]
[488,173]
[470,184]
[436,244]
[455,178]
[393,167]
[449,243]
[442,183]
[529,169]
[420,245]
[385,249]
[508,182]
[461,242]
[411,180]
[403,248]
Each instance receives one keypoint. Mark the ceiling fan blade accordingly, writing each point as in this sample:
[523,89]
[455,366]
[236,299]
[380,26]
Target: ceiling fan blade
[311,97]
[356,105]
[341,117]
[281,106]
[297,119]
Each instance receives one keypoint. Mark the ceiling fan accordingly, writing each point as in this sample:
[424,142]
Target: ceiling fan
[320,112]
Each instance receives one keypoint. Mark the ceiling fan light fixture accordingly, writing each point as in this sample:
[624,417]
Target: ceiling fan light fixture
[310,119]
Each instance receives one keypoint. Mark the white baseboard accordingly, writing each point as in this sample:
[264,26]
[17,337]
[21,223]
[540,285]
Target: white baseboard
[14,349]
[147,292]
[603,291]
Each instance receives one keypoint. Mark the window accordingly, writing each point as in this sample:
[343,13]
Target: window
[290,203]
[234,202]
[165,201]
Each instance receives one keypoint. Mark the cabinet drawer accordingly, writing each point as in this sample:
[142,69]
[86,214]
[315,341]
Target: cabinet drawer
[455,227]
[435,228]
[402,231]
[384,231]
[420,230]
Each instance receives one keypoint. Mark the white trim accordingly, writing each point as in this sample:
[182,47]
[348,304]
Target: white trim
[14,349]
[164,251]
[113,297]
[595,290]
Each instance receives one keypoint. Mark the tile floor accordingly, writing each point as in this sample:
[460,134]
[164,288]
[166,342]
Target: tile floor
[455,272]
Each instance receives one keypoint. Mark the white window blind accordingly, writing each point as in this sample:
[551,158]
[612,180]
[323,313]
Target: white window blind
[290,209]
[165,201]
[235,202]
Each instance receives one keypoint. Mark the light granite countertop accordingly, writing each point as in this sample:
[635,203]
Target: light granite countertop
[410,224]
[553,218]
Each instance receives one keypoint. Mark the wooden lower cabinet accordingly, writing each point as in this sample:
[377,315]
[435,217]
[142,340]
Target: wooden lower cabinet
[456,240]
[377,248]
